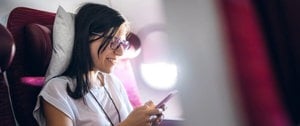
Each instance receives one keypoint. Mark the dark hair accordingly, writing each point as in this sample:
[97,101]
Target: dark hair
[90,18]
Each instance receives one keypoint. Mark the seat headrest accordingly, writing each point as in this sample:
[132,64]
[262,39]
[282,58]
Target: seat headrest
[7,48]
[38,46]
[17,21]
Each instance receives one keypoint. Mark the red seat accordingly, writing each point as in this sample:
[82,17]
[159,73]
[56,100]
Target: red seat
[7,51]
[24,95]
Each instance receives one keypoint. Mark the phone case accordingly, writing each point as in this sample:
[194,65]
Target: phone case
[166,99]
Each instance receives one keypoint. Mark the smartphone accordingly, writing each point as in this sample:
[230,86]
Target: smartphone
[166,99]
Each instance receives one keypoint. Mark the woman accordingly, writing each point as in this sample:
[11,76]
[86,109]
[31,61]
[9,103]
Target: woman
[86,93]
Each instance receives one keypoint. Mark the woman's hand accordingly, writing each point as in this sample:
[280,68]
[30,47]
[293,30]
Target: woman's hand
[159,118]
[143,115]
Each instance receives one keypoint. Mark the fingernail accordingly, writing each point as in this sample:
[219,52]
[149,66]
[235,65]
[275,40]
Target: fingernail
[165,108]
[160,110]
[152,117]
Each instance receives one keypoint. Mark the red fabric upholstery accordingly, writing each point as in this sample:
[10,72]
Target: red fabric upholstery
[255,79]
[6,115]
[38,47]
[33,81]
[31,30]
[24,96]
[6,55]
[7,48]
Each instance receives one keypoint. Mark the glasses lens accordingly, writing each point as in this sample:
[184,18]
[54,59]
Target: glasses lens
[125,45]
[115,44]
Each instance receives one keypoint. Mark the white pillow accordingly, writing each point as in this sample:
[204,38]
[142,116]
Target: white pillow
[63,39]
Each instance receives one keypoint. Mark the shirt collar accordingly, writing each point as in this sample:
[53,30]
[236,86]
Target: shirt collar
[94,78]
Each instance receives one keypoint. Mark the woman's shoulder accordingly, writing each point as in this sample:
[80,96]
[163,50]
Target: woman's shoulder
[58,83]
[59,80]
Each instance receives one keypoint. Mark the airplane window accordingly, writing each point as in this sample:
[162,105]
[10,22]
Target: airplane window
[159,75]
[156,68]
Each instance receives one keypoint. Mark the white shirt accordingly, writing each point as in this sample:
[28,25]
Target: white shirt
[89,114]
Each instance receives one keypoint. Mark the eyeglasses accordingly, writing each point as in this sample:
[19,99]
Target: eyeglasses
[115,42]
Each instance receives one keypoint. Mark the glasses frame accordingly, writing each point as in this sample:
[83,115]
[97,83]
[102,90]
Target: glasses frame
[115,42]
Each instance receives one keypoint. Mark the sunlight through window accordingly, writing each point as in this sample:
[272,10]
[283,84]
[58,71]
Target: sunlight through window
[159,75]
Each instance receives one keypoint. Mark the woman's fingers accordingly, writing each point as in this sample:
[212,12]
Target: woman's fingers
[149,104]
[164,107]
[153,115]
[153,111]
[152,118]
[158,120]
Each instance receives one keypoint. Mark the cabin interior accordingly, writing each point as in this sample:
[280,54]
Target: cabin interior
[233,62]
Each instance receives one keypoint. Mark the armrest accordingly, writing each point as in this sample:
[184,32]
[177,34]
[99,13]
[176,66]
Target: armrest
[33,81]
[172,122]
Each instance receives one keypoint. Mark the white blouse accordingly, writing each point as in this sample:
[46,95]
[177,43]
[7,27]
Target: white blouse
[90,112]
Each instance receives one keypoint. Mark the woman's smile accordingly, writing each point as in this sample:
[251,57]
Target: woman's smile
[113,61]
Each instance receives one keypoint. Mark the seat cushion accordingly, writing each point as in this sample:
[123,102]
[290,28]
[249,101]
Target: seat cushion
[63,39]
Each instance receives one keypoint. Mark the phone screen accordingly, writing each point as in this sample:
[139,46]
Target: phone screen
[166,99]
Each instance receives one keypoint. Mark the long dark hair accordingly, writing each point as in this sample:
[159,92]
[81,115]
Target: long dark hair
[90,18]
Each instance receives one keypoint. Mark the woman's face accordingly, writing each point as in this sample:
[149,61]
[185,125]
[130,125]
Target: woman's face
[107,59]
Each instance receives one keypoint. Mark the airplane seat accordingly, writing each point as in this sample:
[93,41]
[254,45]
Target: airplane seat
[32,32]
[26,72]
[7,51]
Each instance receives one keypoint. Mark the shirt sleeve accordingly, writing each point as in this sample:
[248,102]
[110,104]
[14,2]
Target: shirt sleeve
[54,92]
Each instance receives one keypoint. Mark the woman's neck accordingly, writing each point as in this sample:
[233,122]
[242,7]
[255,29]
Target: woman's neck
[96,78]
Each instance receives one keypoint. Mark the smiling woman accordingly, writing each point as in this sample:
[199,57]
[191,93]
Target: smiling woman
[87,87]
[105,59]
[29,70]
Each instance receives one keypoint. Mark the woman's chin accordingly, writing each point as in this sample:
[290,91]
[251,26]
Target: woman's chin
[108,71]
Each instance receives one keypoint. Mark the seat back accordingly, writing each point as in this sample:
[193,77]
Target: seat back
[25,80]
[7,51]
